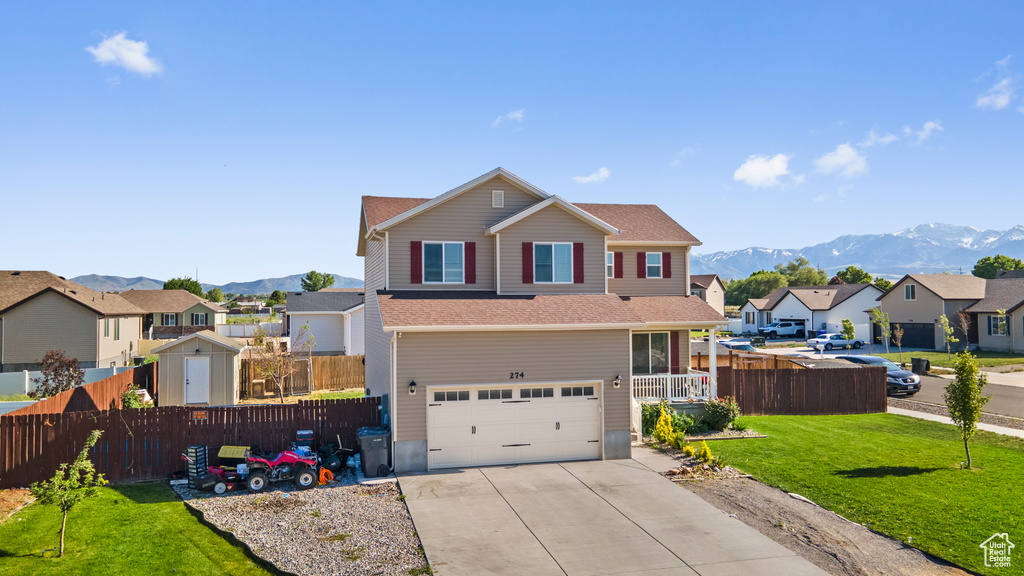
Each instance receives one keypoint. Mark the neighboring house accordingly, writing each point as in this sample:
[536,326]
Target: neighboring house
[819,307]
[997,331]
[40,311]
[334,319]
[916,302]
[508,325]
[175,313]
[709,288]
[201,369]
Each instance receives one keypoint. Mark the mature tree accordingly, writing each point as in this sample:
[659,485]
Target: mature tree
[315,281]
[215,295]
[799,272]
[963,397]
[989,265]
[186,283]
[60,373]
[835,280]
[71,484]
[854,275]
[272,361]
[757,285]
[883,284]
[276,297]
[948,333]
[882,320]
[848,332]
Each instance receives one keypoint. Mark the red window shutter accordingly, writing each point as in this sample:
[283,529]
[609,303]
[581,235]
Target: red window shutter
[666,264]
[416,262]
[641,264]
[673,339]
[618,264]
[470,262]
[577,262]
[527,262]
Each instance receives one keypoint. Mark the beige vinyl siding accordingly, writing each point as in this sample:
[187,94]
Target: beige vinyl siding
[460,219]
[998,342]
[377,348]
[121,350]
[373,265]
[552,224]
[630,285]
[224,366]
[50,322]
[926,309]
[186,316]
[475,358]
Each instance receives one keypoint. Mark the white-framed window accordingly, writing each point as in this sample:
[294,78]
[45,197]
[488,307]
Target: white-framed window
[552,262]
[696,293]
[443,262]
[768,317]
[910,292]
[609,264]
[117,328]
[199,318]
[998,325]
[169,320]
[650,353]
[106,327]
[749,317]
[654,264]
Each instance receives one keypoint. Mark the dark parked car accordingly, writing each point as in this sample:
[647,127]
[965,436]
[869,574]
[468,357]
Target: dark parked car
[898,382]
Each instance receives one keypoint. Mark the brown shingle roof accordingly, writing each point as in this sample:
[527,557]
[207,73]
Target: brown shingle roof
[17,286]
[381,208]
[672,309]
[951,286]
[159,301]
[1001,294]
[639,223]
[703,280]
[440,309]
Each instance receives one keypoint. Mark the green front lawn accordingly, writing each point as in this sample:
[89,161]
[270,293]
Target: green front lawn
[985,359]
[127,529]
[339,394]
[895,474]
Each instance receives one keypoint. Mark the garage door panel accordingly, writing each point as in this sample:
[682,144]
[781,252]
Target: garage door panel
[493,433]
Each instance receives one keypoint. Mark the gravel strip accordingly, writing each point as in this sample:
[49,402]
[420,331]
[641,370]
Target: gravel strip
[341,528]
[994,419]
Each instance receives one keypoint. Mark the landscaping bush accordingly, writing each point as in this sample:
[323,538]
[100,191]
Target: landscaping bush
[649,414]
[663,431]
[129,399]
[704,453]
[720,413]
[688,451]
[682,422]
[679,440]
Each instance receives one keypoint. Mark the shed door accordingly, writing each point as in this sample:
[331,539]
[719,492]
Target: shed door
[197,380]
[489,425]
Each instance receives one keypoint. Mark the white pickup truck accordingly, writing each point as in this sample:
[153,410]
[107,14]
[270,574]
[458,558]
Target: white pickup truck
[783,328]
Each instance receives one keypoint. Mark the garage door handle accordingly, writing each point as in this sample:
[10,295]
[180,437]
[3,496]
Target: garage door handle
[474,429]
[558,425]
[513,445]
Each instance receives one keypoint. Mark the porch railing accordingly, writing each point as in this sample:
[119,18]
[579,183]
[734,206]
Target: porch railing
[692,387]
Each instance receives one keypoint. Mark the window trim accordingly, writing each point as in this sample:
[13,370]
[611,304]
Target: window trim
[998,322]
[117,329]
[106,327]
[571,263]
[767,318]
[609,265]
[650,361]
[659,266]
[910,292]
[203,314]
[164,316]
[443,244]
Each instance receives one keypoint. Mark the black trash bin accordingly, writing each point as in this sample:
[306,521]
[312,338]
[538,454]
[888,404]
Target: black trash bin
[920,365]
[374,448]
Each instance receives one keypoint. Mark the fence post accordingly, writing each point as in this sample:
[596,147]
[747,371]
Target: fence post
[25,372]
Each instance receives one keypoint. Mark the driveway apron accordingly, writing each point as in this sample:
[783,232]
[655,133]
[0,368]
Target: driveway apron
[583,518]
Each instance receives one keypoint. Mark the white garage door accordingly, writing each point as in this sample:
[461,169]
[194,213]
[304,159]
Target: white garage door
[486,425]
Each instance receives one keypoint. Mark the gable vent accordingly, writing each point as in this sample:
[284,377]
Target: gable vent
[497,198]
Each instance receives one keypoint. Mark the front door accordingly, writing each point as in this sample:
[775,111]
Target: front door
[197,380]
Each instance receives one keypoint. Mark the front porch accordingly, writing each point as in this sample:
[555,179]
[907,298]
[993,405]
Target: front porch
[676,388]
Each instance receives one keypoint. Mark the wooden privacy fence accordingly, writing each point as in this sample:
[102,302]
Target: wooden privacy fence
[854,390]
[329,373]
[147,444]
[744,361]
[100,395]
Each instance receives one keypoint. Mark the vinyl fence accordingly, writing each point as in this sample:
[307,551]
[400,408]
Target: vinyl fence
[147,444]
[23,382]
[853,390]
[102,395]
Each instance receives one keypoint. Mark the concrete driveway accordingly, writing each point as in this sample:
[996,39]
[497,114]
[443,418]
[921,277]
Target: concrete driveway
[595,517]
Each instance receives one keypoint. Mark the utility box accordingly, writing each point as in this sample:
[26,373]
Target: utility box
[375,448]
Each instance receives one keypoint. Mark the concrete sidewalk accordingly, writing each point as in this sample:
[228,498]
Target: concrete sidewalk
[587,518]
[945,420]
[1015,379]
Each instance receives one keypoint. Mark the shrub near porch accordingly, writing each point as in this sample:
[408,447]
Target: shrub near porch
[895,474]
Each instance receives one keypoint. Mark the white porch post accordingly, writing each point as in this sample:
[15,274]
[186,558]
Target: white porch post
[713,361]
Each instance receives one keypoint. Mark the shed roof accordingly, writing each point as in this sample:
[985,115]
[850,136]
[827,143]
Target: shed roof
[207,335]
[16,286]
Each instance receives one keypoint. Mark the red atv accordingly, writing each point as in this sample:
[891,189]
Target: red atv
[287,465]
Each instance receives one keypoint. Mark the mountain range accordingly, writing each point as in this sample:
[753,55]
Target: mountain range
[291,283]
[925,249]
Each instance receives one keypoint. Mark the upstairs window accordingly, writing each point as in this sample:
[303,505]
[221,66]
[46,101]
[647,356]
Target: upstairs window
[910,292]
[497,198]
[609,265]
[106,327]
[443,262]
[552,262]
[117,328]
[654,264]
[199,319]
[169,320]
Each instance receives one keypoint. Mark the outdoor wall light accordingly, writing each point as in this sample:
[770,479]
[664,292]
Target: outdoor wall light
[198,351]
[617,381]
[412,387]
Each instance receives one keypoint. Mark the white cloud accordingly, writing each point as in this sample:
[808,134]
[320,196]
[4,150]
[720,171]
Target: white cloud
[819,198]
[601,175]
[762,171]
[516,116]
[928,129]
[873,138]
[845,159]
[682,154]
[131,55]
[998,96]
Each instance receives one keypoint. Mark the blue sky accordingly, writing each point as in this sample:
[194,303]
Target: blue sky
[142,140]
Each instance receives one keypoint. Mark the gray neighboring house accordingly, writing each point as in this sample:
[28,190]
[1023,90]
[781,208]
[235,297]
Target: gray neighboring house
[709,288]
[334,317]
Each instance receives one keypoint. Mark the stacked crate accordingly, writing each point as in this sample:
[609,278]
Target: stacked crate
[198,461]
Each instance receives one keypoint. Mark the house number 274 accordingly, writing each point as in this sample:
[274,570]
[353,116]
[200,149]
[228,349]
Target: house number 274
[516,375]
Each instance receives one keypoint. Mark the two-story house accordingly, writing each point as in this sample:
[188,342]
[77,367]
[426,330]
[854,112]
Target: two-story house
[917,301]
[508,325]
[175,313]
